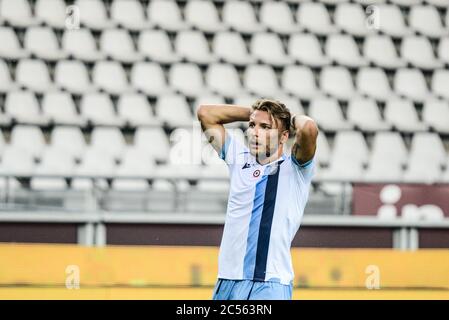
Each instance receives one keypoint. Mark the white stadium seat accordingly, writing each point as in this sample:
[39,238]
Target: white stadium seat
[148,77]
[110,76]
[436,115]
[426,20]
[16,162]
[192,46]
[428,146]
[300,81]
[380,50]
[33,75]
[203,15]
[391,21]
[327,113]
[365,114]
[166,14]
[240,16]
[60,109]
[223,79]
[129,14]
[410,83]
[158,149]
[314,17]
[11,48]
[98,108]
[6,82]
[389,145]
[17,13]
[52,13]
[186,78]
[277,17]
[261,80]
[443,50]
[23,107]
[174,110]
[351,18]
[275,55]
[337,82]
[108,140]
[93,14]
[155,45]
[80,44]
[61,134]
[117,44]
[136,110]
[343,50]
[29,139]
[230,47]
[73,76]
[402,114]
[373,82]
[305,48]
[96,163]
[440,82]
[418,52]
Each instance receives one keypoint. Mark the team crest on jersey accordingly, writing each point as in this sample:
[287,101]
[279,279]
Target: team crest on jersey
[256,173]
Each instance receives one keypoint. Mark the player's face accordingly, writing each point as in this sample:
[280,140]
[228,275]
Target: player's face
[263,134]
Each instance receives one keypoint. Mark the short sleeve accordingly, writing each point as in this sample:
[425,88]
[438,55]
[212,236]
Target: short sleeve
[306,169]
[231,149]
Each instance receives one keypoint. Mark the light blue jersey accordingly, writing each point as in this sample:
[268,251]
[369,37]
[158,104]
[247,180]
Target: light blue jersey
[265,208]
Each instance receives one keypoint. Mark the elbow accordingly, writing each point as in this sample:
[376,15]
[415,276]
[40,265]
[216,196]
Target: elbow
[310,129]
[201,112]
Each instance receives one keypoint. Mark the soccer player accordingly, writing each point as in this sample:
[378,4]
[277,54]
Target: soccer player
[268,192]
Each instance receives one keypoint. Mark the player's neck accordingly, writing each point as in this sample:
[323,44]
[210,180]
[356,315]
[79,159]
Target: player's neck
[279,152]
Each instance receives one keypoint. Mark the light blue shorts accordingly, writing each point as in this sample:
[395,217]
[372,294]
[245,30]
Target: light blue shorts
[251,290]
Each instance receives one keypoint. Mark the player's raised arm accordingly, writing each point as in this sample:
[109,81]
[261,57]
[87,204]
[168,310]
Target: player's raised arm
[306,133]
[212,118]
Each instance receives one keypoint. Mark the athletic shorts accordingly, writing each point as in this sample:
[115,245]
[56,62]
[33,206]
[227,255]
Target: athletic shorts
[251,290]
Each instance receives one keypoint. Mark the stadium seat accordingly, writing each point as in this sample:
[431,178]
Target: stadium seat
[391,21]
[443,50]
[380,50]
[52,13]
[351,18]
[136,110]
[23,107]
[411,84]
[110,77]
[240,16]
[438,3]
[402,114]
[149,78]
[230,47]
[406,3]
[17,13]
[428,146]
[344,51]
[48,184]
[420,171]
[328,115]
[186,78]
[118,45]
[11,48]
[261,80]
[300,81]
[33,75]
[96,163]
[98,109]
[174,110]
[134,185]
[55,162]
[130,15]
[370,2]
[72,75]
[223,79]
[389,145]
[93,14]
[314,17]
[373,82]
[158,149]
[350,144]
[80,44]
[108,140]
[418,52]
[203,15]
[277,17]
[337,82]
[323,150]
[166,15]
[60,135]
[436,115]
[29,139]
[275,55]
[426,20]
[60,109]
[440,83]
[383,170]
[305,48]
[6,82]
[16,162]
[192,46]
[365,114]
[155,45]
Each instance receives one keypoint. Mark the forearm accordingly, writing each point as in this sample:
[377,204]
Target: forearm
[223,113]
[306,132]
